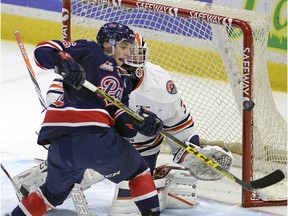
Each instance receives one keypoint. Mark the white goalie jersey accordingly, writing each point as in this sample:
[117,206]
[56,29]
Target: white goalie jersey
[157,93]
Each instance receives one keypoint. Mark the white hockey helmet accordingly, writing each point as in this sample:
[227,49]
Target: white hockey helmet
[139,52]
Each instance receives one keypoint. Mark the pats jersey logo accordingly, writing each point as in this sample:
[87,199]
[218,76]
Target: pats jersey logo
[108,66]
[171,88]
[111,85]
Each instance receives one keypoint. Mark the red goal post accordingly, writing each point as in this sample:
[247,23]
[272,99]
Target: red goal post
[202,44]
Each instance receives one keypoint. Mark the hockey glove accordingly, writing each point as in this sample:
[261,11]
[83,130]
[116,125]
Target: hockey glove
[151,125]
[198,168]
[72,72]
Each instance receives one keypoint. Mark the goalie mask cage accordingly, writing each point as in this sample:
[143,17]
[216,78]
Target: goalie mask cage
[218,59]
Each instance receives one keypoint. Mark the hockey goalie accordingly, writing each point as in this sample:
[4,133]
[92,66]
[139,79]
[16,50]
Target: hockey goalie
[155,91]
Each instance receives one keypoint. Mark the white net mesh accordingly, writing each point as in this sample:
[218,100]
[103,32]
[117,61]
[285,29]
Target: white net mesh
[206,61]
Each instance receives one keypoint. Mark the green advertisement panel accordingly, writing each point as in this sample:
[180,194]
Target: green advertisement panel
[278,13]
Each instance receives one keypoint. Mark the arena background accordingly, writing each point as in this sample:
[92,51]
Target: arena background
[40,20]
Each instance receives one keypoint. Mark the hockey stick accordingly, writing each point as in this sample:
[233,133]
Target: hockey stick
[266,181]
[24,190]
[30,69]
[78,197]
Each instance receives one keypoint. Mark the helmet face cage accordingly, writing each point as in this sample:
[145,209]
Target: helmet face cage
[115,33]
[138,53]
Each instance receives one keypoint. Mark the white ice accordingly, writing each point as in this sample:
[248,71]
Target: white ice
[21,116]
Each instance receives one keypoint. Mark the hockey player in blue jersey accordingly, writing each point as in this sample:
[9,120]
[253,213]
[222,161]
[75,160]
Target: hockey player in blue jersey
[84,130]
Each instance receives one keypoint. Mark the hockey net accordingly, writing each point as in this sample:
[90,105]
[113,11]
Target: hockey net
[218,59]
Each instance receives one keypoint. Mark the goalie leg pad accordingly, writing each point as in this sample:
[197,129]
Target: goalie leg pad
[35,177]
[32,178]
[180,191]
[183,190]
[123,203]
[176,189]
[80,201]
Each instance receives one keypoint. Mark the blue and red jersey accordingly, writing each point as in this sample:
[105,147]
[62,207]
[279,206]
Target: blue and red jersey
[83,110]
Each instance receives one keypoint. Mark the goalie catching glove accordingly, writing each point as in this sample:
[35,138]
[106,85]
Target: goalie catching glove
[201,170]
[72,72]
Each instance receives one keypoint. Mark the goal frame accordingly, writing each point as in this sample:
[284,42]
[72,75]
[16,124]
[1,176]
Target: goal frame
[247,107]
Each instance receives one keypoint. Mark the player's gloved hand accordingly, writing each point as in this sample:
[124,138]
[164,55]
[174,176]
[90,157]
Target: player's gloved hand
[151,125]
[72,72]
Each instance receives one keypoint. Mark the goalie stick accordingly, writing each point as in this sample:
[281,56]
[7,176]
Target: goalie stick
[263,182]
[78,197]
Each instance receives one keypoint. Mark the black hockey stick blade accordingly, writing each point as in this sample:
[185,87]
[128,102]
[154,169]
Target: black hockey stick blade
[266,181]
